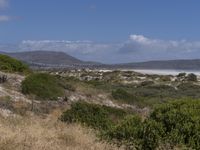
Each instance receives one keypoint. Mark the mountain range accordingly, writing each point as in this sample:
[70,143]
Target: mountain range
[57,59]
[46,57]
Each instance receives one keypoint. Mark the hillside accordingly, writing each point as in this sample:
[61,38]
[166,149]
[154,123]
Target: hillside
[99,110]
[193,64]
[46,57]
[10,64]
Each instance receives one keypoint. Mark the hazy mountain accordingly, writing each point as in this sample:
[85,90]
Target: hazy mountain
[46,57]
[186,64]
[61,58]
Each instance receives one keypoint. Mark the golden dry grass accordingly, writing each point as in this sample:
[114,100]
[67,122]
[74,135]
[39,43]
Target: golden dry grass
[34,133]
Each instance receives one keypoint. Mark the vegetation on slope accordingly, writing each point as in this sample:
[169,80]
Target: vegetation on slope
[148,91]
[43,86]
[175,124]
[95,116]
[171,125]
[124,96]
[9,64]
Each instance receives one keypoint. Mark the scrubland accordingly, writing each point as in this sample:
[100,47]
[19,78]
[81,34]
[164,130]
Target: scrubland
[90,109]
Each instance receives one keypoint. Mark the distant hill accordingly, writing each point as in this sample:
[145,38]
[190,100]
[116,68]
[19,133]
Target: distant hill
[46,57]
[193,64]
[57,59]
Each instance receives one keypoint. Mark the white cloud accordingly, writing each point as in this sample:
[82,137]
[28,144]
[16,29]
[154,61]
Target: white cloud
[163,45]
[4,18]
[142,39]
[141,48]
[3,4]
[84,47]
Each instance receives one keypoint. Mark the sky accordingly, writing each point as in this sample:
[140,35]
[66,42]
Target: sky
[108,31]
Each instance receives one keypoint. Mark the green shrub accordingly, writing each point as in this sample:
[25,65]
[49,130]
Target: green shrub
[95,116]
[9,64]
[126,132]
[165,78]
[43,86]
[65,84]
[133,133]
[174,123]
[192,77]
[151,134]
[189,89]
[182,74]
[122,95]
[180,121]
[146,83]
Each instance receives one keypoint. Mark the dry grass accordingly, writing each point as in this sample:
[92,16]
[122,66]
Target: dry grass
[34,133]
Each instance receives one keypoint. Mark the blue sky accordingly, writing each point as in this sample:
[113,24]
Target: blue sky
[98,28]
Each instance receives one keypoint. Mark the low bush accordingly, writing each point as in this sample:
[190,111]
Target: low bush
[146,83]
[192,77]
[165,78]
[150,136]
[173,124]
[180,121]
[95,116]
[9,64]
[188,89]
[43,86]
[64,84]
[182,74]
[126,132]
[124,96]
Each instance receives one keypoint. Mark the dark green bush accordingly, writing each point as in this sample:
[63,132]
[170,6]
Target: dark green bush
[165,78]
[9,64]
[182,74]
[192,77]
[188,89]
[64,84]
[43,86]
[133,133]
[95,116]
[146,83]
[174,123]
[151,134]
[122,95]
[126,132]
[181,122]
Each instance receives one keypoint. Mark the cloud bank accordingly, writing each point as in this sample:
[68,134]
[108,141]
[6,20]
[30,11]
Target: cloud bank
[136,48]
[141,48]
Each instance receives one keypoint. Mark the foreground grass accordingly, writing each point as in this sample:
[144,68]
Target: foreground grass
[35,133]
